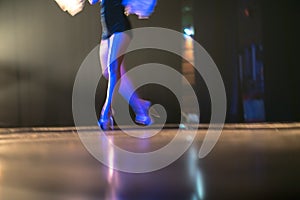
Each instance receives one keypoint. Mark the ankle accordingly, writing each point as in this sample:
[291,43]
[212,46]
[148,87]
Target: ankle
[106,113]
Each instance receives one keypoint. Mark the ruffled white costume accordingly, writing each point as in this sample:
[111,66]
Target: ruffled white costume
[142,8]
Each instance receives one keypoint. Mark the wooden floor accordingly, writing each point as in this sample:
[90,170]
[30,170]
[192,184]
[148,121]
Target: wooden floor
[258,161]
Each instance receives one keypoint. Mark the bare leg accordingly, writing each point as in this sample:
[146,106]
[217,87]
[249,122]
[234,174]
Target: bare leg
[104,45]
[127,90]
[109,51]
[126,87]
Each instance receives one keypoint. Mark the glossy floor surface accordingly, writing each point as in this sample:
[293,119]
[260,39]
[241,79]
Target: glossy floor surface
[259,161]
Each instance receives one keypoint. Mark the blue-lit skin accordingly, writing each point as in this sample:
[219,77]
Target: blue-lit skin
[110,49]
[111,59]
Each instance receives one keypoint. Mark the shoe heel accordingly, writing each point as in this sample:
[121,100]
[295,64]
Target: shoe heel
[111,123]
[153,112]
[148,114]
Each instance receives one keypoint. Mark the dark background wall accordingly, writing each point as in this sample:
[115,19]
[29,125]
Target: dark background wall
[41,50]
[216,29]
[281,51]
[222,30]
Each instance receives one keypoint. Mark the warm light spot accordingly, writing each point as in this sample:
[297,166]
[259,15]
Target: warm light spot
[1,174]
[247,12]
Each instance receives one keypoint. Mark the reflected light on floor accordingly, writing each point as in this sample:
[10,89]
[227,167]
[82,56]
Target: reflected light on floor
[112,174]
[195,173]
[199,185]
[110,160]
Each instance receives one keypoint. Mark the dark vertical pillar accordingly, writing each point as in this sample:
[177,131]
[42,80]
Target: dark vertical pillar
[281,59]
[216,27]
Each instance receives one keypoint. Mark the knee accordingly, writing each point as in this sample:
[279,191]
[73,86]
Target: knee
[105,74]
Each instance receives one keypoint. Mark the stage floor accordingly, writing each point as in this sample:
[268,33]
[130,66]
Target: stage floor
[249,161]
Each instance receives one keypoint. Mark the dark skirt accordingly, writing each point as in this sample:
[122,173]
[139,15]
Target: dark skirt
[113,18]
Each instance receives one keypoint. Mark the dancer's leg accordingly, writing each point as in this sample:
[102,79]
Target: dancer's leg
[103,53]
[126,89]
[117,45]
[139,106]
[106,122]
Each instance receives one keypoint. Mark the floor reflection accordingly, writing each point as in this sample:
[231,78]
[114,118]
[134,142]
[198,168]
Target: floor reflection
[157,185]
[248,162]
